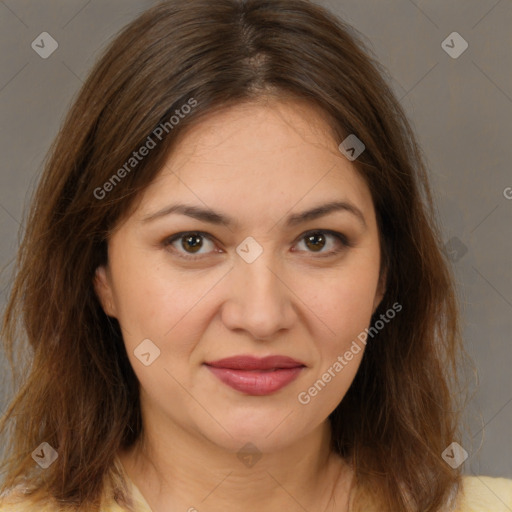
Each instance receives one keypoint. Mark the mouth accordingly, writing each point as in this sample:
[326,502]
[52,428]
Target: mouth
[256,376]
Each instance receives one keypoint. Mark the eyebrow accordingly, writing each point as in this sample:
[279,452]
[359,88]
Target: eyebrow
[213,217]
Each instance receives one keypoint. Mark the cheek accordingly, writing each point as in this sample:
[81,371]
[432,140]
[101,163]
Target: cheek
[156,303]
[352,305]
[342,313]
[344,302]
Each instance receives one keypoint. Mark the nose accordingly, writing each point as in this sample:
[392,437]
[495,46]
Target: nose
[260,300]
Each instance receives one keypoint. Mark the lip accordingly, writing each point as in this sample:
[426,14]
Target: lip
[256,363]
[256,376]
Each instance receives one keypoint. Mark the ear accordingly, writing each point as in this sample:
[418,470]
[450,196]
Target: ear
[381,289]
[103,287]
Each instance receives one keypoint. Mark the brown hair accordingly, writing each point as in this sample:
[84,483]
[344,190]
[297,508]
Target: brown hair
[78,390]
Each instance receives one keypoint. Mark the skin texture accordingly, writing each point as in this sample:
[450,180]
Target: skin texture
[257,162]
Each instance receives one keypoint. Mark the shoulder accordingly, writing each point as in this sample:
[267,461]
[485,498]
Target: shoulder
[485,494]
[116,485]
[16,500]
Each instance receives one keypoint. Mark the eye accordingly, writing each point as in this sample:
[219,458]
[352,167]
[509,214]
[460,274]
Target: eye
[189,244]
[317,241]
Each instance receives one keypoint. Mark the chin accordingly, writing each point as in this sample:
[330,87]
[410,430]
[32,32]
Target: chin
[265,430]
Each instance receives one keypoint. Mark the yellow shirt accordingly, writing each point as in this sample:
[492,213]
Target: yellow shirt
[479,494]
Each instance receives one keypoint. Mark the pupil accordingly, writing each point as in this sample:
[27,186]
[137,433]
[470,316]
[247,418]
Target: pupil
[313,239]
[194,242]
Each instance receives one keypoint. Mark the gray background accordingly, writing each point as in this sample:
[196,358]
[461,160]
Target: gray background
[460,108]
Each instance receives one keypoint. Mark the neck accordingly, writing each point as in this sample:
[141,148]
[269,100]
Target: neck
[180,471]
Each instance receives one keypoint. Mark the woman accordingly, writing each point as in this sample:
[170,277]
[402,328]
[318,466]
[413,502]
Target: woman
[232,286]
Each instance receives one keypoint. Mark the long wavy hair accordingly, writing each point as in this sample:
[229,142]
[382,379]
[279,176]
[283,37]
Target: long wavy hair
[75,388]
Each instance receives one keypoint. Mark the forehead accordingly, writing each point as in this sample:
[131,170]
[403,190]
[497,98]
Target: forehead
[257,155]
[256,128]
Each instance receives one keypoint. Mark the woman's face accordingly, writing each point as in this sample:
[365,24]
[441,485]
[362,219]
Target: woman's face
[238,270]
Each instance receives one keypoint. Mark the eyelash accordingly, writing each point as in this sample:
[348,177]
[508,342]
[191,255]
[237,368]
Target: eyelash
[342,239]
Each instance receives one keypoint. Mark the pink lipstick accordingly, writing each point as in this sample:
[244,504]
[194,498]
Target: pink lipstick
[256,376]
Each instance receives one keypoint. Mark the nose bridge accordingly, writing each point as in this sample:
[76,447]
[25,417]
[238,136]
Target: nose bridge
[260,278]
[261,303]
[254,263]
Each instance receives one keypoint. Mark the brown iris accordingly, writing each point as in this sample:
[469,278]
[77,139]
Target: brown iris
[315,241]
[193,242]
